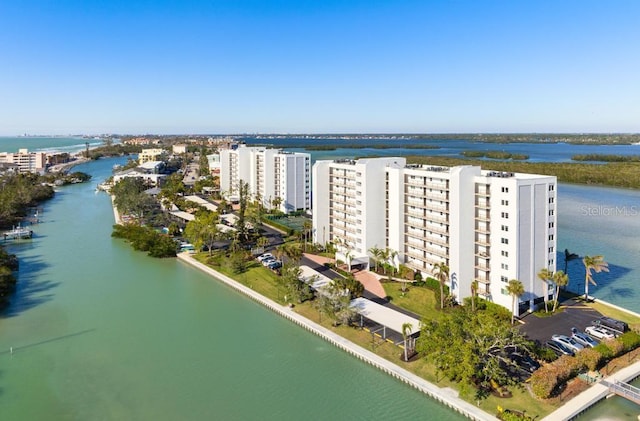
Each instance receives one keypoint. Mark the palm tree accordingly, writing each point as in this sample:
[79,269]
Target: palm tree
[516,290]
[595,263]
[441,272]
[307,226]
[474,294]
[567,258]
[545,275]
[406,331]
[560,279]
[375,253]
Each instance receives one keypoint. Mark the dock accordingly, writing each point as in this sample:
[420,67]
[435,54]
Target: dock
[624,390]
[17,233]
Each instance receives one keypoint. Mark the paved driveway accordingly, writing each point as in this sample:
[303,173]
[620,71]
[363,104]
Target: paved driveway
[575,314]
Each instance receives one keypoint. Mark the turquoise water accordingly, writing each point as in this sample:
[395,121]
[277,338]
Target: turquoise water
[47,144]
[102,332]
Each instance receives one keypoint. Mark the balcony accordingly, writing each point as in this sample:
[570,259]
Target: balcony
[483,241]
[482,216]
[483,229]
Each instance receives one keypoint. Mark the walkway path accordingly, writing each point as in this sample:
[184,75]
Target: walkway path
[592,395]
[371,283]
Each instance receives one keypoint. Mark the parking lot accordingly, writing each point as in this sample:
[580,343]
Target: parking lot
[575,314]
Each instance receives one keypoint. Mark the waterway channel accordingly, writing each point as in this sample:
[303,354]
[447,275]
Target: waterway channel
[99,331]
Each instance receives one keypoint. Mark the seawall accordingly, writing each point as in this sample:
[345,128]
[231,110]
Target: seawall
[446,396]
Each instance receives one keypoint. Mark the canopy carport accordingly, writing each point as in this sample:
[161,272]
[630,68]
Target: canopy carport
[387,323]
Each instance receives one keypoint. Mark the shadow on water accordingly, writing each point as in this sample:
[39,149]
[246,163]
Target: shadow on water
[15,349]
[603,279]
[31,289]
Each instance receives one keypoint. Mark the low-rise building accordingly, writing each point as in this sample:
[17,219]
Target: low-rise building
[153,154]
[26,161]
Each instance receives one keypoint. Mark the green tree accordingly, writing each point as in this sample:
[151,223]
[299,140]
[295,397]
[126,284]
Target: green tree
[559,279]
[203,230]
[545,276]
[441,273]
[470,348]
[307,228]
[376,255]
[129,197]
[406,275]
[596,264]
[515,288]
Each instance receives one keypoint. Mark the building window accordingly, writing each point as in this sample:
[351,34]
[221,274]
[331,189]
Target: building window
[552,224]
[504,227]
[505,202]
[504,279]
[505,215]
[504,266]
[550,249]
[504,240]
[504,291]
[550,262]
[505,190]
[551,237]
[504,253]
[551,212]
[551,187]
[551,200]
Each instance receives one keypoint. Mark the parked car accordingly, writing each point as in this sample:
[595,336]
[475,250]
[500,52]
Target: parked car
[613,324]
[275,265]
[524,361]
[265,262]
[558,348]
[264,256]
[568,342]
[582,338]
[600,332]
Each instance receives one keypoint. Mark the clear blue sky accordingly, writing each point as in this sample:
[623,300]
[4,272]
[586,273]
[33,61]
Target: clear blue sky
[323,66]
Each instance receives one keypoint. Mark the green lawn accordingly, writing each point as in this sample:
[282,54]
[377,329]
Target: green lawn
[631,320]
[419,300]
[257,277]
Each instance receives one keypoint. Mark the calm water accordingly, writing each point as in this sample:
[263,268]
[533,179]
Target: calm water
[537,152]
[102,332]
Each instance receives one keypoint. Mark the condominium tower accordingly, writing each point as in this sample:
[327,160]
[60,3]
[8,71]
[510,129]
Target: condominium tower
[280,179]
[487,226]
[26,161]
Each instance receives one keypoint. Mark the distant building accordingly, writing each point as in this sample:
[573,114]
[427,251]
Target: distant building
[177,149]
[26,161]
[155,154]
[214,163]
[486,226]
[149,172]
[280,179]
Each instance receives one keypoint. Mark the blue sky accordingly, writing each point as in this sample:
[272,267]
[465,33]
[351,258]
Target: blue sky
[236,66]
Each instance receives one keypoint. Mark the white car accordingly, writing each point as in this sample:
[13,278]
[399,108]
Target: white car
[599,332]
[568,342]
[584,339]
[265,257]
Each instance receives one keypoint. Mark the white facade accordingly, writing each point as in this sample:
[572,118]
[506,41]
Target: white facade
[486,226]
[26,161]
[276,177]
[349,205]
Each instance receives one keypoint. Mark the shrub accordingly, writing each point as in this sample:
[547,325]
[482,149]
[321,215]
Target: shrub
[616,347]
[590,358]
[603,350]
[544,381]
[630,340]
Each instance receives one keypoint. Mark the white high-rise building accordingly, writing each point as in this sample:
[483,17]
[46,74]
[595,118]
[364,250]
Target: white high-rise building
[487,226]
[281,179]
